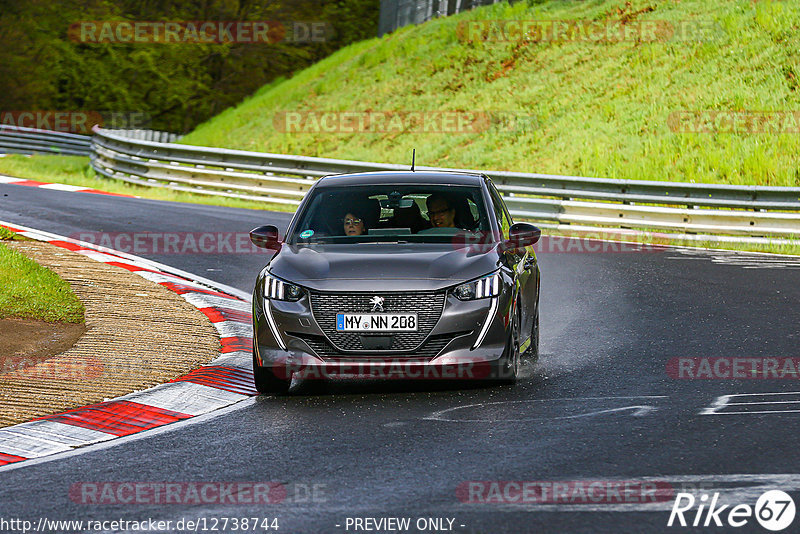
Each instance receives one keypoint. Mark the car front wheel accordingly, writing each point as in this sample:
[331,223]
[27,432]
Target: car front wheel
[534,349]
[507,368]
[266,382]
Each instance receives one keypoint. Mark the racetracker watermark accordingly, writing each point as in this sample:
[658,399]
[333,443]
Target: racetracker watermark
[590,31]
[733,368]
[209,523]
[79,121]
[374,122]
[181,493]
[584,243]
[454,122]
[388,369]
[741,122]
[594,244]
[77,368]
[142,243]
[200,32]
[575,492]
[25,368]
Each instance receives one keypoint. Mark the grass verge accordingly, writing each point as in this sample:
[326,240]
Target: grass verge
[8,235]
[30,291]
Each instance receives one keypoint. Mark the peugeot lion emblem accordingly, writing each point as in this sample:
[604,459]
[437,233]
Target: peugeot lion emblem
[377,303]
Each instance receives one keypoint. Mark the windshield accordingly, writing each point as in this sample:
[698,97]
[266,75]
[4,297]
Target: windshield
[391,213]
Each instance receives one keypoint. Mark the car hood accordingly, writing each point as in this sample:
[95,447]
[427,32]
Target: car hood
[382,266]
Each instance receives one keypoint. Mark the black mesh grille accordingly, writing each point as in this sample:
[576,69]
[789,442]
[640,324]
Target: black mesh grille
[427,306]
[429,350]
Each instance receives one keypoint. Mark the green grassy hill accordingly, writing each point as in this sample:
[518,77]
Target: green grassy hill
[562,107]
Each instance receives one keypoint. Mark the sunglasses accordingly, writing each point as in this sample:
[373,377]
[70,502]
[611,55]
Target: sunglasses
[352,222]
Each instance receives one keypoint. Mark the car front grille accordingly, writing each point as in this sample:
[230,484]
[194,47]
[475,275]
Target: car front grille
[428,351]
[428,306]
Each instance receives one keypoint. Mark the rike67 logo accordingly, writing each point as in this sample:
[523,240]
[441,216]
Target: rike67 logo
[774,510]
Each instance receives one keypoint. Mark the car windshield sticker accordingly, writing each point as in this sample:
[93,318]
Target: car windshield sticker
[306,233]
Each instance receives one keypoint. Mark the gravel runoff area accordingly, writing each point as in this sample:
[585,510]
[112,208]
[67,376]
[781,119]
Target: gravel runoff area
[138,334]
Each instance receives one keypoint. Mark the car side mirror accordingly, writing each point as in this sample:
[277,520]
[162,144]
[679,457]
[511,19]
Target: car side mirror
[265,237]
[522,235]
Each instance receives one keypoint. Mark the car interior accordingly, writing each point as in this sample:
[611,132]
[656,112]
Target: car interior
[393,213]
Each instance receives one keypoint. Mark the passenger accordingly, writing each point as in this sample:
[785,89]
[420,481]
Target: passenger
[441,211]
[353,225]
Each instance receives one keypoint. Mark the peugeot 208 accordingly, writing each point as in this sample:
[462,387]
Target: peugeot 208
[415,274]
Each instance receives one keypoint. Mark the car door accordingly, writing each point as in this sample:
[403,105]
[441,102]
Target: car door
[523,264]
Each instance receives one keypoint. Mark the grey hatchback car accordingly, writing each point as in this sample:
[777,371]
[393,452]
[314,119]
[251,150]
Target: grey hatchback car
[396,274]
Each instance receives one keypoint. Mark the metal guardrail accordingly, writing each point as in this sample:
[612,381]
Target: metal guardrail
[568,200]
[20,140]
[395,14]
[152,135]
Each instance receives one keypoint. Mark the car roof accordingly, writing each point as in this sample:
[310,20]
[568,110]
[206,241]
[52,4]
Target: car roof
[402,177]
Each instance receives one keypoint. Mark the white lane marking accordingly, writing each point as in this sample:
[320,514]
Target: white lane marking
[159,278]
[201,300]
[718,404]
[64,187]
[762,402]
[776,399]
[239,359]
[101,257]
[740,259]
[27,446]
[185,397]
[771,393]
[758,412]
[639,410]
[234,329]
[30,234]
[38,439]
[145,434]
[10,180]
[64,434]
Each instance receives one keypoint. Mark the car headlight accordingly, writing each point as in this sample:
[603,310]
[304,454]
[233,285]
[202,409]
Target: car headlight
[277,289]
[488,286]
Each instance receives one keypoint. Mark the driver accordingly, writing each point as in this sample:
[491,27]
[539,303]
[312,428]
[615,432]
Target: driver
[441,212]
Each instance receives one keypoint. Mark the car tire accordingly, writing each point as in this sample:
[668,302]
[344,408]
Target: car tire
[534,349]
[507,368]
[266,382]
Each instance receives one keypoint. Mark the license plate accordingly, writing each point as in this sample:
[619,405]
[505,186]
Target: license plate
[376,322]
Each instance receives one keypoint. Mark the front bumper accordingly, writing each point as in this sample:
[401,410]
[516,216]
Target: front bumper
[451,349]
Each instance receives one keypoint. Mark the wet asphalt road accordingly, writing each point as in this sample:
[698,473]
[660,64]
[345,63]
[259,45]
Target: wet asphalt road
[599,406]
